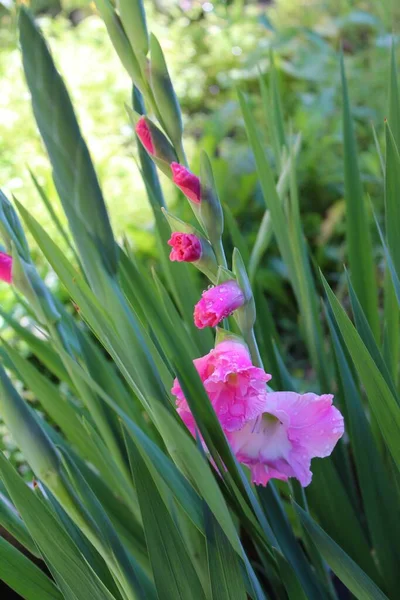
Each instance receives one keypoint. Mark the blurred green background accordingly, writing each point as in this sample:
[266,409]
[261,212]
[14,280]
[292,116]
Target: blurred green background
[212,48]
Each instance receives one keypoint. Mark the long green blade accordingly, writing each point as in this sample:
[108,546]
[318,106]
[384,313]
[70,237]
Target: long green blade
[23,576]
[357,225]
[345,568]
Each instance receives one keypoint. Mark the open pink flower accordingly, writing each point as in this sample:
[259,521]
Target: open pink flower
[293,429]
[235,387]
[144,134]
[6,267]
[217,303]
[187,182]
[186,247]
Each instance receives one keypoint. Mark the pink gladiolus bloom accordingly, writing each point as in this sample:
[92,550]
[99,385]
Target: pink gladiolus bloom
[217,303]
[186,181]
[144,134]
[236,388]
[186,247]
[6,267]
[293,429]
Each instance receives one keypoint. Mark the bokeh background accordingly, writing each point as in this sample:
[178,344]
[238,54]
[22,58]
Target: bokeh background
[212,48]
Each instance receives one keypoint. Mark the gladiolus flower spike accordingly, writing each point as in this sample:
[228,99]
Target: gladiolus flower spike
[287,430]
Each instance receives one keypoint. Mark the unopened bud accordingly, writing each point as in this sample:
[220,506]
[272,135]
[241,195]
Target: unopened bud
[6,262]
[156,143]
[217,303]
[187,182]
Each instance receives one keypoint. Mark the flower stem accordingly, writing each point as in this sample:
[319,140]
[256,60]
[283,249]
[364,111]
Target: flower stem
[220,253]
[181,154]
[251,341]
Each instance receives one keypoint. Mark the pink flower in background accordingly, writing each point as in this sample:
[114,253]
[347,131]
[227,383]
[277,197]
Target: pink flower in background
[6,267]
[186,247]
[217,303]
[236,388]
[187,182]
[144,134]
[293,429]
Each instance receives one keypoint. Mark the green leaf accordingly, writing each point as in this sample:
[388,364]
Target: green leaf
[173,570]
[358,232]
[40,348]
[12,523]
[381,400]
[74,175]
[223,564]
[392,219]
[289,546]
[57,548]
[378,494]
[394,97]
[328,498]
[127,571]
[290,239]
[52,213]
[341,564]
[367,337]
[23,576]
[165,97]
[265,232]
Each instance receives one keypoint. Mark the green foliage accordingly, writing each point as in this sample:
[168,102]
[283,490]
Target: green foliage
[126,504]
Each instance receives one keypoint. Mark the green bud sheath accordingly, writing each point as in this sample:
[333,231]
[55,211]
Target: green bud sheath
[28,282]
[223,335]
[164,95]
[120,41]
[246,315]
[11,229]
[210,206]
[134,22]
[155,142]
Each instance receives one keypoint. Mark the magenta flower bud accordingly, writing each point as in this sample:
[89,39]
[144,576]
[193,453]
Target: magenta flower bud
[187,182]
[6,267]
[217,303]
[144,134]
[186,247]
[156,144]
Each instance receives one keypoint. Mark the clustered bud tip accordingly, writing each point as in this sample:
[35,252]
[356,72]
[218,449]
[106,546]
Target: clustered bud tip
[186,247]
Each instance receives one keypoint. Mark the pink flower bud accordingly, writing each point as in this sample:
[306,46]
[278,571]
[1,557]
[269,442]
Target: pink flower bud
[186,247]
[6,267]
[217,303]
[144,134]
[186,181]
